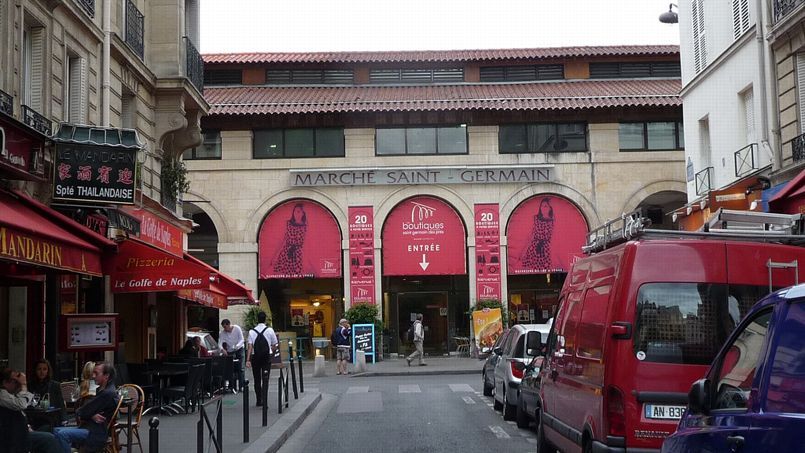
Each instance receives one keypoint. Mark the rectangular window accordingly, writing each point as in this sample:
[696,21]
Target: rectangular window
[128,110]
[654,136]
[309,76]
[593,322]
[223,77]
[295,143]
[421,140]
[33,67]
[740,17]
[542,138]
[699,37]
[76,86]
[786,392]
[416,76]
[210,147]
[635,70]
[522,73]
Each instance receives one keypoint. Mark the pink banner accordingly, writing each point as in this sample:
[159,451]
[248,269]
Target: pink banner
[424,236]
[300,239]
[361,255]
[545,235]
[487,251]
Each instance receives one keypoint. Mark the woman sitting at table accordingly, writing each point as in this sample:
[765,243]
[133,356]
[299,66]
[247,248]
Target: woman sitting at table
[189,349]
[87,384]
[43,384]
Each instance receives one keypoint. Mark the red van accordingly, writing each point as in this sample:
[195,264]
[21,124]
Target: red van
[638,323]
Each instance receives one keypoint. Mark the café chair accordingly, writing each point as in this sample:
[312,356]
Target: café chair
[189,393]
[136,396]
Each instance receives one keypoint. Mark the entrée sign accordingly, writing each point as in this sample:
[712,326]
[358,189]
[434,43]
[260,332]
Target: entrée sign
[421,175]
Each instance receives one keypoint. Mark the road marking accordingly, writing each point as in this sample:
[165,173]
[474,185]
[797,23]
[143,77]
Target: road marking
[468,400]
[460,388]
[510,422]
[358,389]
[499,432]
[489,404]
[531,440]
[409,388]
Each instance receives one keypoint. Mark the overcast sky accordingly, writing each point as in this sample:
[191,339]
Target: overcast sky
[336,25]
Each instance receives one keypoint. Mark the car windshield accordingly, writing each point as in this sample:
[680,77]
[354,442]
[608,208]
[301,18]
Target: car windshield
[687,323]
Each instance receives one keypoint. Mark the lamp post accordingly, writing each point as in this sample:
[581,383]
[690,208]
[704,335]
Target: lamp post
[670,17]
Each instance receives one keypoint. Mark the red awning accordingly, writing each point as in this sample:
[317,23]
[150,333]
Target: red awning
[213,297]
[790,200]
[138,267]
[33,233]
[236,293]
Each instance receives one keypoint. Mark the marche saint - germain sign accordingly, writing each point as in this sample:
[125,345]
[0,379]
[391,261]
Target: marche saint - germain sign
[497,174]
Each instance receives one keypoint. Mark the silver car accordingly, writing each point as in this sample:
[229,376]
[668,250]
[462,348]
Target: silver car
[207,340]
[521,339]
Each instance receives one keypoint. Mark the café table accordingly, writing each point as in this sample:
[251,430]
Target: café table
[163,374]
[37,416]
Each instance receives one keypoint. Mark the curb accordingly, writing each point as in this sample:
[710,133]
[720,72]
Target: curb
[414,373]
[273,439]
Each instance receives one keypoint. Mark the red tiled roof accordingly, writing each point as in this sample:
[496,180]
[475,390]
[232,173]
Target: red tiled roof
[564,95]
[438,55]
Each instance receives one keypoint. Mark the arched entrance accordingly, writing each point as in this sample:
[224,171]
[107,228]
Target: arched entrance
[202,243]
[544,236]
[299,266]
[657,207]
[425,271]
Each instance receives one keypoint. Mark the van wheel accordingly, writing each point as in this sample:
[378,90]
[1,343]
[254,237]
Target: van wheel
[508,409]
[487,388]
[522,417]
[543,446]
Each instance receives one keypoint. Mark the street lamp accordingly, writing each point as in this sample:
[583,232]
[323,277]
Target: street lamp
[670,17]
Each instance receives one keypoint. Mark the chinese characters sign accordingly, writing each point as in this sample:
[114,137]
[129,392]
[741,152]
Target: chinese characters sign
[95,174]
[361,255]
[424,236]
[487,251]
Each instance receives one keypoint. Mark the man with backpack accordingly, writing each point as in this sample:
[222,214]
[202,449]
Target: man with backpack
[262,342]
[341,339]
[417,335]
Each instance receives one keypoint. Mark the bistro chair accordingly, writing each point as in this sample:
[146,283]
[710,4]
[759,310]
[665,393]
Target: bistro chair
[136,396]
[70,394]
[111,440]
[189,393]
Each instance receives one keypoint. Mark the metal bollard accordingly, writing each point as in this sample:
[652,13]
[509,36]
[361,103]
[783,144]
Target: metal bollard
[293,372]
[153,435]
[301,378]
[245,390]
[264,395]
[279,392]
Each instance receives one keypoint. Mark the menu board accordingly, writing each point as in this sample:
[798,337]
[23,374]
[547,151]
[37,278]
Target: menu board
[363,339]
[90,332]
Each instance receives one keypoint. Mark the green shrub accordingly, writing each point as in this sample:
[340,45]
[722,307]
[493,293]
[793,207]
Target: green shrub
[364,314]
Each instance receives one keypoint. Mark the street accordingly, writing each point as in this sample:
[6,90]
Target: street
[441,413]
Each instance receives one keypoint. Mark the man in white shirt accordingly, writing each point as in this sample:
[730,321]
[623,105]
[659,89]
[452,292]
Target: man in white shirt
[232,337]
[17,434]
[257,358]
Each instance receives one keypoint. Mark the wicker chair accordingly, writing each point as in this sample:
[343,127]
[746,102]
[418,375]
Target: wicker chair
[136,396]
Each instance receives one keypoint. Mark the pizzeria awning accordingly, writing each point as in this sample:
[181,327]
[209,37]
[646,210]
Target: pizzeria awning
[138,267]
[35,234]
[236,293]
[213,297]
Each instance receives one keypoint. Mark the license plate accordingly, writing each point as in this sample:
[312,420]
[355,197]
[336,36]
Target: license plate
[663,412]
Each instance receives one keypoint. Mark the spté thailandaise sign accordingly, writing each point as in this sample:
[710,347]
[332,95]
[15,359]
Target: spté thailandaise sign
[94,174]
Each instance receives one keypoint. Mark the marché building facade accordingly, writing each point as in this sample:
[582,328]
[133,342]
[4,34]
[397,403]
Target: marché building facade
[424,182]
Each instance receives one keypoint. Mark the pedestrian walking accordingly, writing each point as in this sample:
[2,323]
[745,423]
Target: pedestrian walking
[232,337]
[419,338]
[343,341]
[262,344]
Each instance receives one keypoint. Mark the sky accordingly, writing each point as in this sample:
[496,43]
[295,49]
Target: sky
[353,25]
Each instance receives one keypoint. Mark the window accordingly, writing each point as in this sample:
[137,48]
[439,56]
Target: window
[33,67]
[593,319]
[210,147]
[699,41]
[128,110]
[293,143]
[542,138]
[223,77]
[654,136]
[522,73]
[740,17]
[635,70]
[737,368]
[309,76]
[686,323]
[748,104]
[421,76]
[76,85]
[421,140]
[786,392]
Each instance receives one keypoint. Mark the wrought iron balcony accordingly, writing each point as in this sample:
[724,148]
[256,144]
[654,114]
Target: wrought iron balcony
[194,65]
[798,148]
[746,160]
[783,7]
[704,181]
[135,27]
[6,103]
[89,6]
[32,118]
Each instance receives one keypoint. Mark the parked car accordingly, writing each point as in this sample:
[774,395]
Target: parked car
[637,324]
[513,355]
[207,340]
[488,371]
[757,380]
[528,393]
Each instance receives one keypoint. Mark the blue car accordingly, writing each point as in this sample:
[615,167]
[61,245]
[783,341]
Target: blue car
[753,397]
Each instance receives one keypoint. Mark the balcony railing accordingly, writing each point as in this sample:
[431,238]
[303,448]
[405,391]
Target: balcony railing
[704,181]
[135,27]
[89,6]
[32,118]
[798,148]
[746,160]
[194,65]
[783,7]
[6,103]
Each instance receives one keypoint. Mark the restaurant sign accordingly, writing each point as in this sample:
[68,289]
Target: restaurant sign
[21,154]
[19,246]
[94,174]
[509,174]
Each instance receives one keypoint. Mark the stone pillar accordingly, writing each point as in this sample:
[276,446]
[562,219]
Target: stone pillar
[239,260]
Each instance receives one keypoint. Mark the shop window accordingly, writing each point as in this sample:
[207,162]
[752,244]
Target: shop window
[651,136]
[210,147]
[297,143]
[542,138]
[421,141]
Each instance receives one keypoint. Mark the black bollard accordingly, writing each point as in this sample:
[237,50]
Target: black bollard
[301,378]
[293,373]
[245,389]
[264,395]
[279,392]
[153,435]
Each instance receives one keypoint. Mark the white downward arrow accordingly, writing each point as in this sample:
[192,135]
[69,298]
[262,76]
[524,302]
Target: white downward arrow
[424,264]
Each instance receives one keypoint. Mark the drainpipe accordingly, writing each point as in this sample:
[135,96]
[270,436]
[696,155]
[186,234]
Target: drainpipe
[106,74]
[768,142]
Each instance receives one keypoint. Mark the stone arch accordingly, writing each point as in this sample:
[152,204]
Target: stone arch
[650,189]
[209,207]
[258,216]
[384,208]
[585,206]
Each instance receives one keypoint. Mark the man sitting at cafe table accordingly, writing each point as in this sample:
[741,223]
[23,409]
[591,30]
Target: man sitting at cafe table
[94,415]
[17,435]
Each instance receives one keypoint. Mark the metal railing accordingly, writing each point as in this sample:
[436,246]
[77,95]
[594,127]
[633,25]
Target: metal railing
[37,121]
[6,103]
[89,6]
[216,433]
[704,181]
[135,29]
[745,160]
[783,7]
[798,148]
[194,65]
